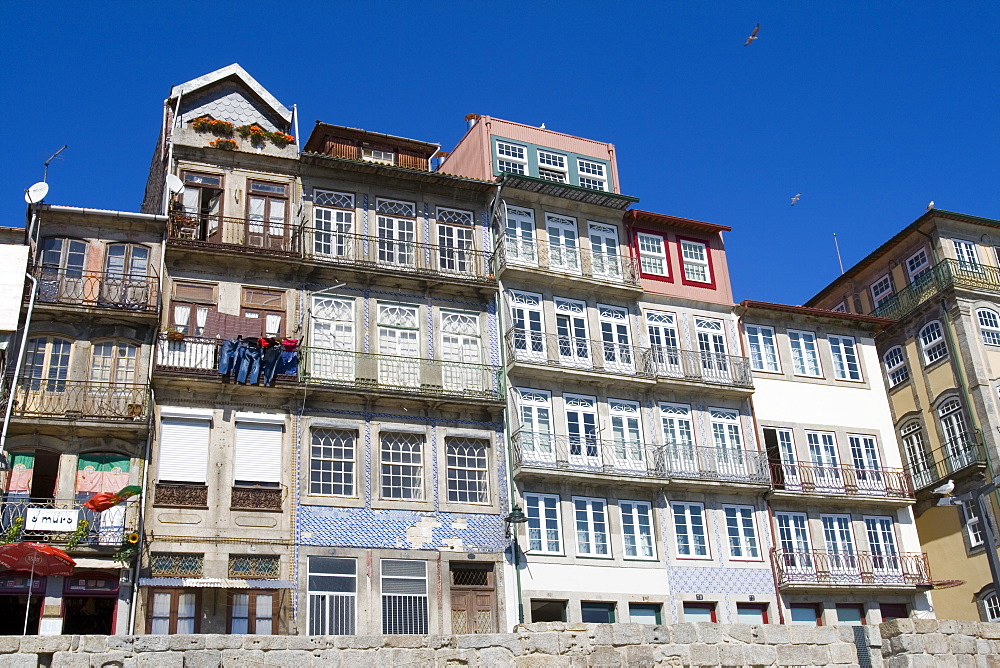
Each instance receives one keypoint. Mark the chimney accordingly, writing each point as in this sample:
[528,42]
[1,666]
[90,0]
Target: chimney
[471,119]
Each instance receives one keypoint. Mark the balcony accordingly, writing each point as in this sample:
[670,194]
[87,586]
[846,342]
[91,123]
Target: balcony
[962,452]
[945,274]
[840,481]
[370,372]
[256,498]
[240,235]
[81,400]
[564,262]
[827,570]
[686,366]
[630,459]
[180,495]
[575,354]
[53,521]
[401,257]
[97,289]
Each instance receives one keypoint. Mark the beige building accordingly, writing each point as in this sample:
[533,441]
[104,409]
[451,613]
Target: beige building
[938,279]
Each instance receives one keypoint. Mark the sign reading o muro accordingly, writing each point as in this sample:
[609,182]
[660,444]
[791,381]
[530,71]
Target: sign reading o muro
[51,519]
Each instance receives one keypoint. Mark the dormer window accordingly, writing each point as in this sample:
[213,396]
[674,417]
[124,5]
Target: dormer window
[551,166]
[592,174]
[378,155]
[511,158]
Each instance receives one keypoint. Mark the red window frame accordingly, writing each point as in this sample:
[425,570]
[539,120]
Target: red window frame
[669,276]
[703,605]
[852,606]
[175,593]
[754,606]
[815,607]
[708,256]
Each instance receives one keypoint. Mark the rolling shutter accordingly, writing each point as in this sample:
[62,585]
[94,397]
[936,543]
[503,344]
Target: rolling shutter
[258,451]
[184,449]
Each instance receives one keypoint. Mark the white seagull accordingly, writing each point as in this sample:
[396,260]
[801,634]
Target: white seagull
[931,205]
[795,199]
[945,489]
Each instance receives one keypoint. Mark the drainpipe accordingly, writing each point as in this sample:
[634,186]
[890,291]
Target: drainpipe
[146,488]
[17,371]
[295,124]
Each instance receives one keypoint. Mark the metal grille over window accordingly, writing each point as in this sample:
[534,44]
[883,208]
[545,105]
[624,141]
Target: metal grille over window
[254,566]
[396,208]
[470,577]
[333,587]
[331,463]
[164,564]
[404,597]
[402,466]
[330,198]
[455,216]
[468,467]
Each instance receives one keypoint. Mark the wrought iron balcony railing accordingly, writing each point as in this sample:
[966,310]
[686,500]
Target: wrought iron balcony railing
[53,521]
[956,454]
[570,352]
[80,400]
[253,235]
[634,459]
[373,372]
[945,274]
[842,480]
[612,268]
[713,368]
[403,256]
[97,289]
[907,569]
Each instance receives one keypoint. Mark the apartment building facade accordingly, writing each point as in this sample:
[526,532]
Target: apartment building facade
[937,279]
[841,507]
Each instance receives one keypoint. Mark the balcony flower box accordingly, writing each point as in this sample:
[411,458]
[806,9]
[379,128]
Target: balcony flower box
[224,144]
[206,124]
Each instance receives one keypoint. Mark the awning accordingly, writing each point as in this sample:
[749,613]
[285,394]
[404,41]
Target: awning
[103,564]
[217,583]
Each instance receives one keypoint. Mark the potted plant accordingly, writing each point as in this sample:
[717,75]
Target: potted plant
[254,133]
[206,124]
[280,139]
[224,144]
[174,335]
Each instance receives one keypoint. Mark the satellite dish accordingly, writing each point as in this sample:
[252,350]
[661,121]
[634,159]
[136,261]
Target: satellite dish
[36,193]
[174,184]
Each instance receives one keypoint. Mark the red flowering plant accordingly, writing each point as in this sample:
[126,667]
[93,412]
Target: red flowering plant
[224,144]
[207,124]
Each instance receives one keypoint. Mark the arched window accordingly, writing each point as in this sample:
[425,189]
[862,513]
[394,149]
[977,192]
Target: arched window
[932,342]
[46,363]
[895,366]
[919,463]
[113,362]
[958,443]
[989,325]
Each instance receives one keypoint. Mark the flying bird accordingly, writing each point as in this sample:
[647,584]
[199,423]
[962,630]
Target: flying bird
[753,35]
[797,197]
[945,489]
[931,205]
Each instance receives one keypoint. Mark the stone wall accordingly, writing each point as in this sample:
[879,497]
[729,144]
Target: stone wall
[906,643]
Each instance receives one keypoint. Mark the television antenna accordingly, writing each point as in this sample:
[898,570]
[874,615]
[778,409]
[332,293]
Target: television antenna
[45,175]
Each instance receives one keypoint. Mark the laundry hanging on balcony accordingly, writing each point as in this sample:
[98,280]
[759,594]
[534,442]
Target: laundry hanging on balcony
[249,359]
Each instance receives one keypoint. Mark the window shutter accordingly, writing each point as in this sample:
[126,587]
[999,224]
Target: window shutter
[184,450]
[258,452]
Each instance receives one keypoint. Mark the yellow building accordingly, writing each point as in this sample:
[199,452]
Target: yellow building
[939,279]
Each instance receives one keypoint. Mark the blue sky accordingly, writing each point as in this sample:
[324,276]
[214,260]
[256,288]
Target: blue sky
[869,109]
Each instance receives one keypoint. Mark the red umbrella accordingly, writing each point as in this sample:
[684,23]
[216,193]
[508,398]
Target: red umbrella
[35,558]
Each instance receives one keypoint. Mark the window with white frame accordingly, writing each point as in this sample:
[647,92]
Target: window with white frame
[397,233]
[845,357]
[956,437]
[592,174]
[676,422]
[456,241]
[689,530]
[519,236]
[591,517]
[895,366]
[916,454]
[763,351]
[840,308]
[662,331]
[637,529]
[333,596]
[991,607]
[652,254]
[112,362]
[805,356]
[333,223]
[965,252]
[989,326]
[881,290]
[542,510]
[404,596]
[917,265]
[331,462]
[552,166]
[511,158]
[378,155]
[973,527]
[468,470]
[694,255]
[564,243]
[741,529]
[399,345]
[402,466]
[932,342]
